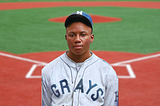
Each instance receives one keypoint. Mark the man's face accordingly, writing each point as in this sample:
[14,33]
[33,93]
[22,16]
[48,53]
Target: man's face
[79,36]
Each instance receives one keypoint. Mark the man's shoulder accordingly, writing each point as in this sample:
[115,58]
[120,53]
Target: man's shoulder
[102,62]
[104,65]
[107,69]
[53,64]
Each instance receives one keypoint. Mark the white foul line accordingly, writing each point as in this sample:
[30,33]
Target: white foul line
[114,64]
[29,74]
[137,59]
[23,59]
[129,68]
[43,63]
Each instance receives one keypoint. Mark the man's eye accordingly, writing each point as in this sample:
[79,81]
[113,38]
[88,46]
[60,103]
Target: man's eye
[71,35]
[83,34]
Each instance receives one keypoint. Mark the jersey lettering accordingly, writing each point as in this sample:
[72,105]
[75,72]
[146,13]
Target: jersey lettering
[64,84]
[65,88]
[56,92]
[95,98]
[90,86]
[79,86]
[116,96]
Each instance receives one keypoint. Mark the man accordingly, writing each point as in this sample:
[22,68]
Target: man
[78,77]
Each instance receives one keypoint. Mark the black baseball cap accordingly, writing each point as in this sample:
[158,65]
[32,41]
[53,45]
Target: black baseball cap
[79,16]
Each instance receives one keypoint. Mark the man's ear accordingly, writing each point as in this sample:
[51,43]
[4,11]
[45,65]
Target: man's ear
[92,38]
[65,36]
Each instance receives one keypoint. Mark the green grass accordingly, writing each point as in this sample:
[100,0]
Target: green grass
[28,30]
[137,32]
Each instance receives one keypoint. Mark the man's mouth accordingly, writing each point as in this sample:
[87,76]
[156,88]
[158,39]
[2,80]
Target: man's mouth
[78,47]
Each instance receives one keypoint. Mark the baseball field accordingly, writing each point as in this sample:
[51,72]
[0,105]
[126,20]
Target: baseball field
[127,35]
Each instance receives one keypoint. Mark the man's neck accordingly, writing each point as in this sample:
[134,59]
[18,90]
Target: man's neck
[79,58]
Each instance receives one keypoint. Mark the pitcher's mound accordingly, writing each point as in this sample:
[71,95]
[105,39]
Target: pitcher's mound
[95,18]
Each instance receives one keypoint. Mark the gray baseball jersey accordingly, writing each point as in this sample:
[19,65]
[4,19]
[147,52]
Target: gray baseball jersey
[91,83]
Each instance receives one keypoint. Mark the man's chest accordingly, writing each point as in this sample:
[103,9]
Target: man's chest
[78,83]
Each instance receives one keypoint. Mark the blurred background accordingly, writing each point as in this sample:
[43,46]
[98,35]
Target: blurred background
[27,35]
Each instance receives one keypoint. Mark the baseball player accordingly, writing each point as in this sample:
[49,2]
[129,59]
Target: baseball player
[78,77]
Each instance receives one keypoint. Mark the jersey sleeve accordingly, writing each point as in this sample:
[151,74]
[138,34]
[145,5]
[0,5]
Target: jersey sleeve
[111,97]
[46,95]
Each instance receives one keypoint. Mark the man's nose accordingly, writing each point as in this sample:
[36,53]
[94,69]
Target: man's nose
[77,39]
